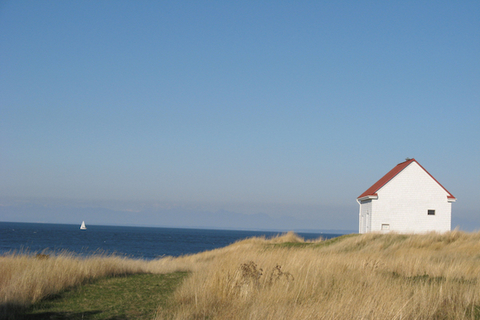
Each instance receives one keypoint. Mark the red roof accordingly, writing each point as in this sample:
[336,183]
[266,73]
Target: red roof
[372,191]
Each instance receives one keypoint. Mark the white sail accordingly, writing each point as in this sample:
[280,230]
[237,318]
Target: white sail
[82,227]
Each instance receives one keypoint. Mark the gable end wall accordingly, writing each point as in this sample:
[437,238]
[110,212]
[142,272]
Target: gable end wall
[404,201]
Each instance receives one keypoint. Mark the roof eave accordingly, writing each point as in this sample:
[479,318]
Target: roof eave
[451,199]
[369,197]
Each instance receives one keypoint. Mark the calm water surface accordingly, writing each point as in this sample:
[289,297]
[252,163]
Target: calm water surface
[134,242]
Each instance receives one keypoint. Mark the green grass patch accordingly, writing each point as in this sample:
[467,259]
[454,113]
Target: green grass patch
[313,244]
[331,241]
[292,245]
[132,297]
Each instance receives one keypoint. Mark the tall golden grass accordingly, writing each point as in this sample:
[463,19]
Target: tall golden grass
[371,276]
[26,277]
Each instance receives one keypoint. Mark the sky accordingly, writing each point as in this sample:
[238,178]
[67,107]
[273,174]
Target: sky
[281,109]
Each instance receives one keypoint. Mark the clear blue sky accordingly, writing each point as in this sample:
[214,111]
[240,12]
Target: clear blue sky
[282,107]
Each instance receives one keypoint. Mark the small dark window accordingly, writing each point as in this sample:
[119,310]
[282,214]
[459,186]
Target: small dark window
[431,212]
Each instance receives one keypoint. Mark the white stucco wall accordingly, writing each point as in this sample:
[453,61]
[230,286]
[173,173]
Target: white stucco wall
[403,202]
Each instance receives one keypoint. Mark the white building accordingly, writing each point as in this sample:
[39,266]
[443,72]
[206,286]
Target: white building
[407,200]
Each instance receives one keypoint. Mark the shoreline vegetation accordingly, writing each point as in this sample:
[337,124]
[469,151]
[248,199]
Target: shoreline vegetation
[369,276]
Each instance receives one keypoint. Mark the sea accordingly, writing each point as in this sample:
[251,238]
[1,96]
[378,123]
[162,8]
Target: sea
[146,243]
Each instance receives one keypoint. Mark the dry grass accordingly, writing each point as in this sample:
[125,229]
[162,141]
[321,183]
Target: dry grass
[372,276]
[27,278]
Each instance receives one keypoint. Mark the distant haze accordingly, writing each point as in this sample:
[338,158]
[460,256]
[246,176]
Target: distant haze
[171,215]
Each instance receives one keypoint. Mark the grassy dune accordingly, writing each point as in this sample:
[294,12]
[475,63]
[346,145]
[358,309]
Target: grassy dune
[372,276]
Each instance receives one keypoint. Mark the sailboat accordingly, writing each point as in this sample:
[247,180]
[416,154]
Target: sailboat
[82,227]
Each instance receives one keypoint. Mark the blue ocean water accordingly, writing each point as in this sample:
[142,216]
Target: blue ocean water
[134,242]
